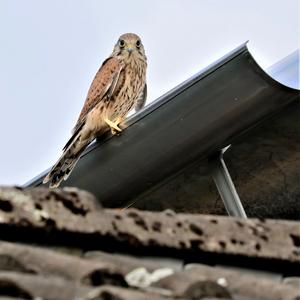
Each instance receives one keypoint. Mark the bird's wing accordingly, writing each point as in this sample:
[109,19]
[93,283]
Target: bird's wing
[142,99]
[102,86]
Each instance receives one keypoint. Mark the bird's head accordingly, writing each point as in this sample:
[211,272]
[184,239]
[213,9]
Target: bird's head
[129,44]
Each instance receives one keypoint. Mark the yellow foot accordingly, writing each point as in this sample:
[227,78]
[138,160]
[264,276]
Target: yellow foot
[115,129]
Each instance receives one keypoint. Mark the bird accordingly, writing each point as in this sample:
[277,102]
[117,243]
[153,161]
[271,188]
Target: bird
[118,87]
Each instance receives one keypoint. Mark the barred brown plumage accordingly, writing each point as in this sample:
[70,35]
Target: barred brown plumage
[118,87]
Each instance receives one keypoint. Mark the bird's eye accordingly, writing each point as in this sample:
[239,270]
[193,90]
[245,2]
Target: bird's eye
[138,43]
[121,43]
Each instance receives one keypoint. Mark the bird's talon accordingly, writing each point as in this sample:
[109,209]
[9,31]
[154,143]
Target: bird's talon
[115,132]
[113,126]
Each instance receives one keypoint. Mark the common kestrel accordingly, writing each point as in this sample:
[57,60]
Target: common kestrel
[118,87]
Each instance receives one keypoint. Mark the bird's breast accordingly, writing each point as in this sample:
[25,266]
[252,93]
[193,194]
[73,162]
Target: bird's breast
[132,81]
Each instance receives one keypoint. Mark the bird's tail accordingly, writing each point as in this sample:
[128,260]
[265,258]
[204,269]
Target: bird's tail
[62,169]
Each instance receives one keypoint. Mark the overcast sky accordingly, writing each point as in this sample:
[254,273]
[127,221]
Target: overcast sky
[50,51]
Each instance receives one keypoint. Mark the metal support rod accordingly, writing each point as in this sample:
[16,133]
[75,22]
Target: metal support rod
[226,187]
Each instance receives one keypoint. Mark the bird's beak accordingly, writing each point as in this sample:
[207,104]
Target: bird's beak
[130,48]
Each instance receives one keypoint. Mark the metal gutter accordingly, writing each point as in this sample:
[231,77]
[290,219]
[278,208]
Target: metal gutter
[196,119]
[287,70]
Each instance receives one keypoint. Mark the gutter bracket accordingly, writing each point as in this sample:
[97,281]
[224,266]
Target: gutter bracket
[226,186]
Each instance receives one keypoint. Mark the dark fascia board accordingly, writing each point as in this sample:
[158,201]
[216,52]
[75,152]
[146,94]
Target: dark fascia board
[194,120]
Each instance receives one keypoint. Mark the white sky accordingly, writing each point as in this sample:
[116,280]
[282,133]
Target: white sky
[50,51]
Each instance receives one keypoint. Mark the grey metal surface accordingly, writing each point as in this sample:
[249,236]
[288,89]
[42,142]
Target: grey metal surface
[196,119]
[226,187]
